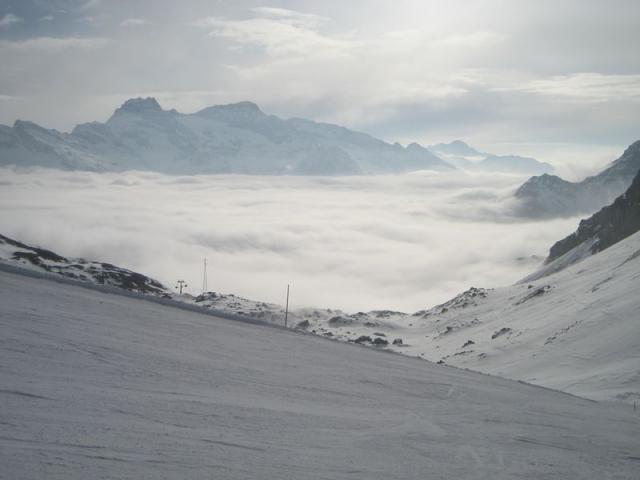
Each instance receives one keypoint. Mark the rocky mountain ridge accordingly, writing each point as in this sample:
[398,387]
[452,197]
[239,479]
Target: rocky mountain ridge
[548,196]
[237,138]
[464,156]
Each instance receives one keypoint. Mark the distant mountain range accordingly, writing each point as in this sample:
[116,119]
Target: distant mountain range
[236,138]
[463,156]
[551,196]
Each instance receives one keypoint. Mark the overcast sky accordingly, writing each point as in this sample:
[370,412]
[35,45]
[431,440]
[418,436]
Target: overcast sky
[502,74]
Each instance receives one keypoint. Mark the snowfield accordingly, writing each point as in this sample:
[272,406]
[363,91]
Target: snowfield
[96,385]
[571,327]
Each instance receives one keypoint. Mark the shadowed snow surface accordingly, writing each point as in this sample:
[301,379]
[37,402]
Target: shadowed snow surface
[94,385]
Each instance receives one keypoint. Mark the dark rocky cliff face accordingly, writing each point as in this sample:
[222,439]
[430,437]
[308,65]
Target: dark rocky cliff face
[608,226]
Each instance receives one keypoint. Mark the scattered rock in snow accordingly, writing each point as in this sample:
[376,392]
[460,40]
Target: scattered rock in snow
[499,333]
[464,352]
[363,339]
[304,324]
[380,342]
[535,293]
[340,320]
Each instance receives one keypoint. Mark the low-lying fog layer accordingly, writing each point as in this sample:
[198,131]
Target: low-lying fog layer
[358,243]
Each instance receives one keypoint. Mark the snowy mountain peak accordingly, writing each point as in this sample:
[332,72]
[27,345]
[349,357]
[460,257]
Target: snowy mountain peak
[456,147]
[544,180]
[140,106]
[632,149]
[415,147]
[244,108]
[27,126]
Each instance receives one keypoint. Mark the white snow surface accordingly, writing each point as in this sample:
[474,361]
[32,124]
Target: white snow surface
[96,385]
[576,330]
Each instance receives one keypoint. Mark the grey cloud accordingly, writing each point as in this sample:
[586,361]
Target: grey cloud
[9,19]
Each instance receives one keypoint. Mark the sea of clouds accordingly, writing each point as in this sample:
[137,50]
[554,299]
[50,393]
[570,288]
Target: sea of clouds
[402,242]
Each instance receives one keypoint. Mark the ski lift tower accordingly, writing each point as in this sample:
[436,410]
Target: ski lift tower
[181,284]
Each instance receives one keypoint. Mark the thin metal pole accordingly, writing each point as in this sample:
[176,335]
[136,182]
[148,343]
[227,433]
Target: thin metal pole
[286,310]
[204,278]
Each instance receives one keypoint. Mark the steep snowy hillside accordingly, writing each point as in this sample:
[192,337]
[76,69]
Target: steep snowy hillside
[236,138]
[94,385]
[576,330]
[605,228]
[39,259]
[463,156]
[551,196]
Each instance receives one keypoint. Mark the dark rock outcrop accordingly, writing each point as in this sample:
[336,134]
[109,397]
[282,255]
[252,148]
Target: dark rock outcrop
[606,227]
[80,269]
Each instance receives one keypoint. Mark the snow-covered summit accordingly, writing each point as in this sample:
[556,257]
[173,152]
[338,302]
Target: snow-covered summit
[464,156]
[457,148]
[139,106]
[244,108]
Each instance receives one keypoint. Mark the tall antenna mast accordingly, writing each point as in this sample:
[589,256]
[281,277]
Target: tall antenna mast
[204,278]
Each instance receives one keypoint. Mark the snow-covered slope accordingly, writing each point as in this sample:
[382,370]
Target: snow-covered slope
[576,330]
[236,138]
[94,385]
[571,327]
[39,259]
[551,196]
[611,224]
[463,156]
